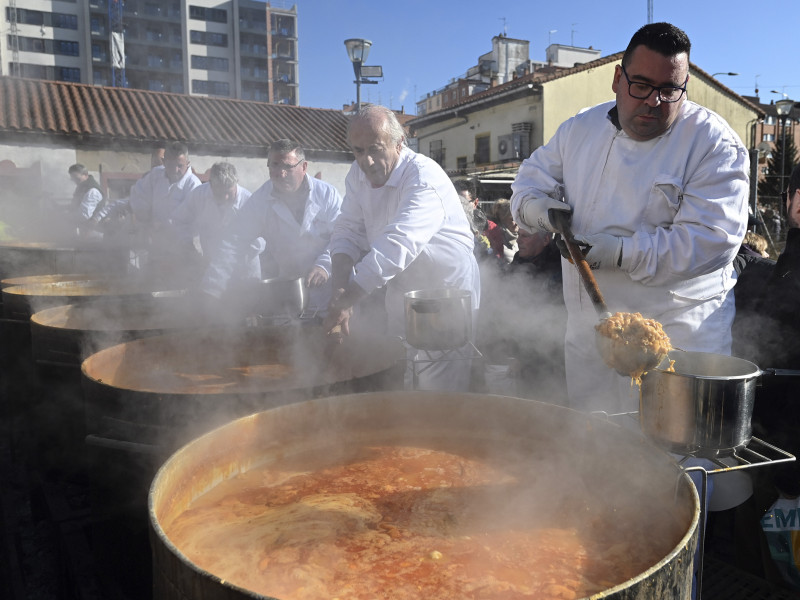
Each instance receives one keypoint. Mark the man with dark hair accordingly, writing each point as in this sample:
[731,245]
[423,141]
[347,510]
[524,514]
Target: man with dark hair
[293,213]
[207,217]
[655,187]
[151,202]
[87,199]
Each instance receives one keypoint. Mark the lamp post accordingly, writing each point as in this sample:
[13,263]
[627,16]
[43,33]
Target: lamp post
[784,108]
[729,73]
[357,50]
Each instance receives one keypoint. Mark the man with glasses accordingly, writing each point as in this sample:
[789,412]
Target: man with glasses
[655,187]
[294,214]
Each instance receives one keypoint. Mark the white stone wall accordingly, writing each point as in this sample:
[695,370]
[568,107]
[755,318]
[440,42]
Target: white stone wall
[55,163]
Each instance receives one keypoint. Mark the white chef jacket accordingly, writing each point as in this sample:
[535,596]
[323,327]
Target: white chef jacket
[409,234]
[292,249]
[89,203]
[679,201]
[201,215]
[153,198]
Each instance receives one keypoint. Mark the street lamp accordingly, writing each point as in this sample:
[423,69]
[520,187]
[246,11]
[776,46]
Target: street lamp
[784,108]
[357,50]
[731,74]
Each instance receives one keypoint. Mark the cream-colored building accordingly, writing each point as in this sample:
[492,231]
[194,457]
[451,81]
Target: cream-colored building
[496,129]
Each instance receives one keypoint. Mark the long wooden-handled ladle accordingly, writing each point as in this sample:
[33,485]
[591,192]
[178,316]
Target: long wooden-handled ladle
[633,359]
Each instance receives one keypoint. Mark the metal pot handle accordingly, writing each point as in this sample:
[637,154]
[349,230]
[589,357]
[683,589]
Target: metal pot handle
[791,373]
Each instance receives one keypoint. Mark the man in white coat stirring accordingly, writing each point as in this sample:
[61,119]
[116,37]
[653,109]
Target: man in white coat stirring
[294,214]
[402,226]
[208,215]
[657,188]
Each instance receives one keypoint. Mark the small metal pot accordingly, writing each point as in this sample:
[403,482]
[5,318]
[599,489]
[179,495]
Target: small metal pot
[704,407]
[273,297]
[438,319]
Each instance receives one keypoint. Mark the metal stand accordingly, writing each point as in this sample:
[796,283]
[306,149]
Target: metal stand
[757,453]
[465,352]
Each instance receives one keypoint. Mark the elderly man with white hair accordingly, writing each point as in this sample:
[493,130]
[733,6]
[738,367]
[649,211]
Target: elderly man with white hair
[402,227]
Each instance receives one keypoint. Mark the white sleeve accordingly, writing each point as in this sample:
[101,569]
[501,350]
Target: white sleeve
[541,174]
[419,217]
[89,203]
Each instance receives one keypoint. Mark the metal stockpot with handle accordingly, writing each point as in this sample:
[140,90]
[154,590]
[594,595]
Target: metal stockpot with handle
[438,319]
[703,407]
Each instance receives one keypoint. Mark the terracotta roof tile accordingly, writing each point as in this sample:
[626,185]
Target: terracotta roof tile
[103,115]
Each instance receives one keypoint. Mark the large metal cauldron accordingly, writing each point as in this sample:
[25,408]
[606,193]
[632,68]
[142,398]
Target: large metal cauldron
[703,407]
[165,390]
[615,469]
[20,259]
[21,301]
[66,335]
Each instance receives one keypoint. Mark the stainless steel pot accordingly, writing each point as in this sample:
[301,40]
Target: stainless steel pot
[438,319]
[704,407]
[274,297]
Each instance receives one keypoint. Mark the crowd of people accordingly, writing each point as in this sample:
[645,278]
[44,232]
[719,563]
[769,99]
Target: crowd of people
[653,186]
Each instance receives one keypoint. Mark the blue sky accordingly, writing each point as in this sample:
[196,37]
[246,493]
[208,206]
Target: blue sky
[422,44]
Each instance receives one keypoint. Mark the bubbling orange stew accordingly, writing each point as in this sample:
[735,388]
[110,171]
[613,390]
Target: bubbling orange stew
[406,522]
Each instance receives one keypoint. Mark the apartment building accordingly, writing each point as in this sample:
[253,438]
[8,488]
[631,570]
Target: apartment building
[241,49]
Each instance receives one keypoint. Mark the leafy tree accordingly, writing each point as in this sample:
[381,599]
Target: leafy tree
[769,188]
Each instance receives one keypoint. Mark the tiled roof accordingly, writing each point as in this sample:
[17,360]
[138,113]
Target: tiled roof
[88,114]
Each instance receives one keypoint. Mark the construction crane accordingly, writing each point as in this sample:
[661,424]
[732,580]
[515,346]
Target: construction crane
[117,42]
[13,38]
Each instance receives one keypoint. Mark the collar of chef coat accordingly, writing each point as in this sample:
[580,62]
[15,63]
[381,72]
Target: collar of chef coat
[310,209]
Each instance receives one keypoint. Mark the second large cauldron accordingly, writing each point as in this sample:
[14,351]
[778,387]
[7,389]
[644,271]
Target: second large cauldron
[583,473]
[169,388]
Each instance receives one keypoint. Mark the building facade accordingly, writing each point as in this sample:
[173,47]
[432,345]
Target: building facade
[240,49]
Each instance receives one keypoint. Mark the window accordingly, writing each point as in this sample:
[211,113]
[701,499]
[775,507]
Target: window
[212,88]
[155,85]
[208,38]
[69,74]
[209,63]
[768,137]
[482,149]
[461,163]
[437,151]
[99,52]
[770,120]
[65,21]
[65,48]
[201,13]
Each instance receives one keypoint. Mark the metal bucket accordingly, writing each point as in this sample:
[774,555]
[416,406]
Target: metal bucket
[438,319]
[704,407]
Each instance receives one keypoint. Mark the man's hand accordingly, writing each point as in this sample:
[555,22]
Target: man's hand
[316,276]
[533,214]
[337,322]
[605,250]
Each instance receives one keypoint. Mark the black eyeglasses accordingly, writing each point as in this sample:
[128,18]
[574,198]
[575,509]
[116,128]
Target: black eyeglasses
[283,166]
[665,93]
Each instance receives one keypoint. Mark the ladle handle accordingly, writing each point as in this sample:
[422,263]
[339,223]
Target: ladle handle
[561,221]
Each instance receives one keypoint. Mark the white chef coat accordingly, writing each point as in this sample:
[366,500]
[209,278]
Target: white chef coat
[680,203]
[292,249]
[89,203]
[202,216]
[153,198]
[409,234]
